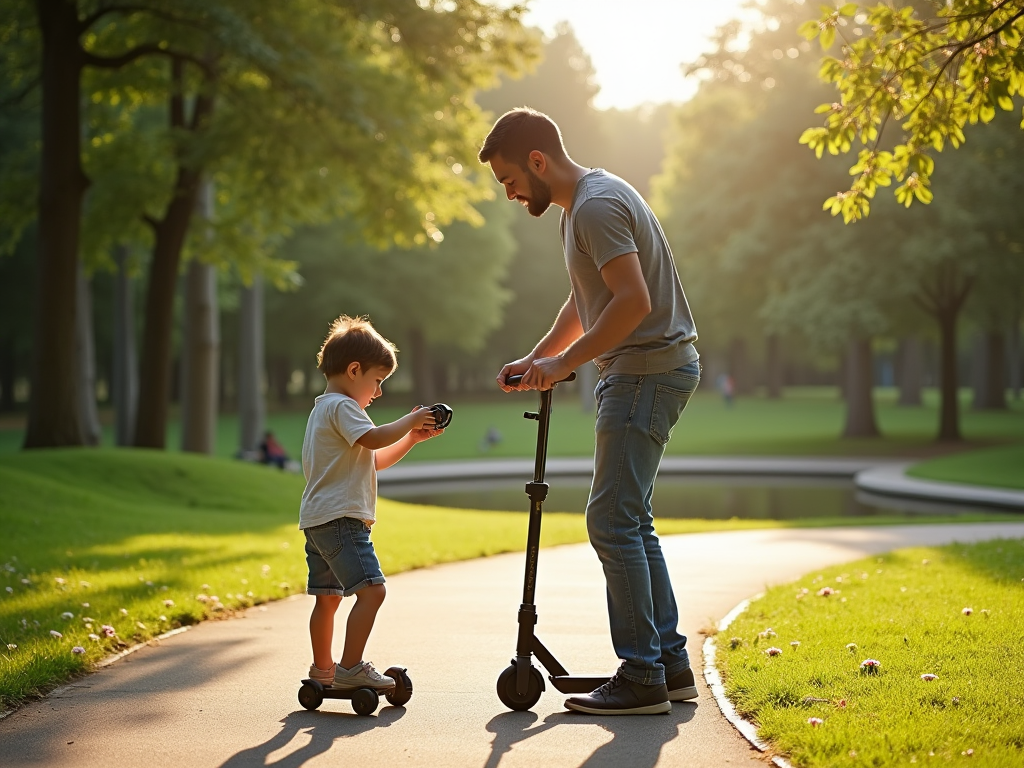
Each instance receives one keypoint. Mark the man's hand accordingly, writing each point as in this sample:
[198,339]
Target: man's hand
[545,373]
[515,368]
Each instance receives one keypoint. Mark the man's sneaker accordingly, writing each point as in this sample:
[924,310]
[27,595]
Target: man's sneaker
[362,675]
[323,676]
[681,686]
[620,696]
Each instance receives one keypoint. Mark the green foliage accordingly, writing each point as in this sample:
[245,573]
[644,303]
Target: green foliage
[905,610]
[934,76]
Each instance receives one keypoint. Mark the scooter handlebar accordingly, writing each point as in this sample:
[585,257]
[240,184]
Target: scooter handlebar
[514,381]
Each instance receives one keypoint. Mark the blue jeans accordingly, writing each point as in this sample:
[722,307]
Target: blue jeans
[635,417]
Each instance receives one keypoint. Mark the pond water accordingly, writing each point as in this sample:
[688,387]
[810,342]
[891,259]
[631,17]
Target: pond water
[708,497]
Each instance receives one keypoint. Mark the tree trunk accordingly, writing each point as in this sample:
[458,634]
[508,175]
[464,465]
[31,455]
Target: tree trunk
[279,370]
[8,374]
[949,408]
[422,375]
[170,233]
[125,378]
[53,409]
[910,371]
[85,348]
[739,367]
[1013,358]
[200,356]
[990,383]
[774,374]
[860,405]
[251,408]
[586,378]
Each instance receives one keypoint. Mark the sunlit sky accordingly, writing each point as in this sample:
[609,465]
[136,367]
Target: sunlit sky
[636,46]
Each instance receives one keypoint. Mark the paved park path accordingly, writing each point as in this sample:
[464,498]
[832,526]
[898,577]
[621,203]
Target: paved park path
[223,694]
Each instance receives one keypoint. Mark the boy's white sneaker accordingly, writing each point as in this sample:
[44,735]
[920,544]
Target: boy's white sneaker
[362,675]
[323,676]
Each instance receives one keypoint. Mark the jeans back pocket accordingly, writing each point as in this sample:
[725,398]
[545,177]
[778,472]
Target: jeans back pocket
[668,405]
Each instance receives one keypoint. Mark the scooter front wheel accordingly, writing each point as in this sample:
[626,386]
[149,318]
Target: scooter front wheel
[511,697]
[310,697]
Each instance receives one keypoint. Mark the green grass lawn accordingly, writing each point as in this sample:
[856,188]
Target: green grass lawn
[806,422]
[1002,467]
[108,537]
[955,612]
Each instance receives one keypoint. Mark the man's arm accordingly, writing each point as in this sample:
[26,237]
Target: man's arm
[566,329]
[630,304]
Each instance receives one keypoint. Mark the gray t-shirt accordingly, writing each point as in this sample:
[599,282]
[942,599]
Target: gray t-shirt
[609,218]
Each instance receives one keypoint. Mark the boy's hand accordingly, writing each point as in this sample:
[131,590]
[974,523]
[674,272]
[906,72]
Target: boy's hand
[426,429]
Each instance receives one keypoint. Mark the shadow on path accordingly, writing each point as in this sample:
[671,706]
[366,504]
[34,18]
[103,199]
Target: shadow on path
[323,728]
[636,740]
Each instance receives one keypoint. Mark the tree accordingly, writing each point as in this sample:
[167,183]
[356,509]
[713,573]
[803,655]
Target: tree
[376,92]
[934,75]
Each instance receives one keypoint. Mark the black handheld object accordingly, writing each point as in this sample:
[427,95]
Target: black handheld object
[513,381]
[442,414]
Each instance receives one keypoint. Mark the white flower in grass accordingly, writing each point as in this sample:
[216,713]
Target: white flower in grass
[59,580]
[164,588]
[795,643]
[168,603]
[78,650]
[12,647]
[851,647]
[967,611]
[56,634]
[107,631]
[10,590]
[26,581]
[928,677]
[84,584]
[773,651]
[814,722]
[767,633]
[870,665]
[123,611]
[88,619]
[967,753]
[162,618]
[202,598]
[149,583]
[93,636]
[826,591]
[85,605]
[67,615]
[140,625]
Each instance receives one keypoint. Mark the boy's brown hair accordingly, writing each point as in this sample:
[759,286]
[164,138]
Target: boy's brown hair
[520,131]
[355,340]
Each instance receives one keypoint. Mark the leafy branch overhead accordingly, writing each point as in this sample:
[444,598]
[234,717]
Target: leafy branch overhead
[932,77]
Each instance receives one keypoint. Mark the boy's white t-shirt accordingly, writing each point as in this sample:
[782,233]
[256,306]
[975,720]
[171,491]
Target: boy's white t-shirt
[341,479]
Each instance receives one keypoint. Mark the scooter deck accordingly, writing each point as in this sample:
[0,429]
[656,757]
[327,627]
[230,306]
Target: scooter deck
[341,693]
[576,683]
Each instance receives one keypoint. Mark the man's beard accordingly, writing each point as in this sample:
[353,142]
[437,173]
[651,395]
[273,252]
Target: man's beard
[540,195]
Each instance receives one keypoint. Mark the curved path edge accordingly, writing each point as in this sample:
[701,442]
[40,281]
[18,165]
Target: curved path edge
[717,687]
[892,480]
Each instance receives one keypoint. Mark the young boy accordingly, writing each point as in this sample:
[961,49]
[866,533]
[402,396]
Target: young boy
[341,454]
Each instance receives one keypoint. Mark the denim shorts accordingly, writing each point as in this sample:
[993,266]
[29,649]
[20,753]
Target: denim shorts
[340,557]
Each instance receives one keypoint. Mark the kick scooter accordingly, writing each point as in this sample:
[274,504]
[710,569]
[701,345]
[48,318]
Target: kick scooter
[364,700]
[521,684]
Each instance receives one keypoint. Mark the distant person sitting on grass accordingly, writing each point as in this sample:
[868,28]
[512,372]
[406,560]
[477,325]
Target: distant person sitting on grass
[272,452]
[341,453]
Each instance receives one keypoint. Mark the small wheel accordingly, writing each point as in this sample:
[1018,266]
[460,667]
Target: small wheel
[365,701]
[310,697]
[511,698]
[402,692]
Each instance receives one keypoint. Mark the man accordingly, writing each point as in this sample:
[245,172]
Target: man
[628,314]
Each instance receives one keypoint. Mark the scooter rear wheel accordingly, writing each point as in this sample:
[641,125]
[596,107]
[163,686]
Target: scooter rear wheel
[511,697]
[365,701]
[309,697]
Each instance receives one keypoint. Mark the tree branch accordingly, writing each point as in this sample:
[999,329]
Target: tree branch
[88,21]
[147,49]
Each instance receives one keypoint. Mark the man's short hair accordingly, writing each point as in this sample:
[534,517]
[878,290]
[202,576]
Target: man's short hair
[520,131]
[355,340]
